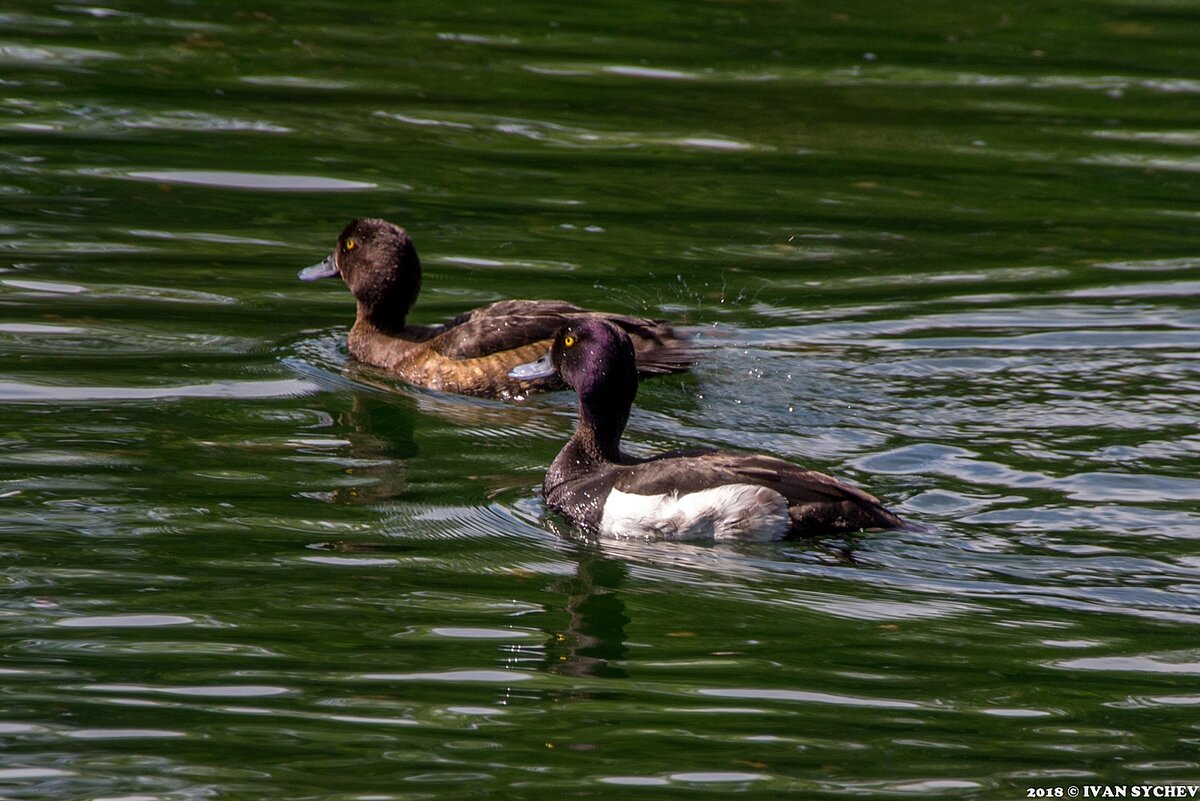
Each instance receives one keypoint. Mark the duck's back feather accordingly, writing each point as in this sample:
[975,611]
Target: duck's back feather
[502,326]
[510,324]
[815,501]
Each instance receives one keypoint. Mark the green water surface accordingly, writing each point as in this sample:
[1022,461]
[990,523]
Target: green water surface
[949,251]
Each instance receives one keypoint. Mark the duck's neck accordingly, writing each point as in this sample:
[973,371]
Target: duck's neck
[388,319]
[599,432]
[385,302]
[603,413]
[606,392]
[596,442]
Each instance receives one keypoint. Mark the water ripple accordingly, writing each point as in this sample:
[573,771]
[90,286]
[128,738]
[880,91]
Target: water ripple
[251,180]
[123,621]
[23,392]
[881,75]
[91,119]
[572,136]
[52,56]
[802,696]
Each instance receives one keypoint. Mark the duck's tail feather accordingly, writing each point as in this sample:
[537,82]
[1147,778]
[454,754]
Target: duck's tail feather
[659,348]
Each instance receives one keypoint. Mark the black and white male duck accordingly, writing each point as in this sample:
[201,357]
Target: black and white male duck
[692,494]
[472,353]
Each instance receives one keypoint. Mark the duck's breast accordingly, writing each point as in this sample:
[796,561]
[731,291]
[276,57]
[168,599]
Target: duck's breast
[726,512]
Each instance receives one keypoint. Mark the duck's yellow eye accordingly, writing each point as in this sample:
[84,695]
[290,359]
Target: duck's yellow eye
[351,244]
[568,340]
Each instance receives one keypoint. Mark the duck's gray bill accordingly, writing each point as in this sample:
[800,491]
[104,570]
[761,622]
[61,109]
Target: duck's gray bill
[530,371]
[326,269]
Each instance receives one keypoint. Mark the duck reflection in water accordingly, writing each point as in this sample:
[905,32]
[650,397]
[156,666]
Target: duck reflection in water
[379,439]
[593,642]
[380,427]
[594,637]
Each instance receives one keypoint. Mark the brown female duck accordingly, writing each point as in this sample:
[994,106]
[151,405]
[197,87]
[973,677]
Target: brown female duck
[472,353]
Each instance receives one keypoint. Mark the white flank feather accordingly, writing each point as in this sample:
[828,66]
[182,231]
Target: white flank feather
[729,512]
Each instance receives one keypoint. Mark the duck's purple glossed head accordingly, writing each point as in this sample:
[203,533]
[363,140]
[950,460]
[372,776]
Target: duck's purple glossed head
[591,356]
[594,356]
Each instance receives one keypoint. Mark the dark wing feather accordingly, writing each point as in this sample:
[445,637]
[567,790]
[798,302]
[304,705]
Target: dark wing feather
[659,348]
[504,308]
[800,485]
[511,324]
[489,330]
[817,502]
[689,471]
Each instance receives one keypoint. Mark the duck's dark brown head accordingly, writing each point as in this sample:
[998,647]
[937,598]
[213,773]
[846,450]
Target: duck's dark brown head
[379,264]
